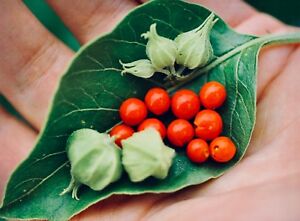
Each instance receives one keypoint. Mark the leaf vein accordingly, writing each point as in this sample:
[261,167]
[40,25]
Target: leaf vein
[165,23]
[126,41]
[246,88]
[26,181]
[245,106]
[89,96]
[236,92]
[94,70]
[64,101]
[83,110]
[39,184]
[239,119]
[96,61]
[108,92]
[47,156]
[132,29]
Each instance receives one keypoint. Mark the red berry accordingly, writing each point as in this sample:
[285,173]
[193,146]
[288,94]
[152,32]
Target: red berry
[121,132]
[185,104]
[222,149]
[180,132]
[209,124]
[154,123]
[157,101]
[197,151]
[133,111]
[212,95]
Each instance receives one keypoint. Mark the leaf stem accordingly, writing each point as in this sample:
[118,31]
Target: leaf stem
[180,70]
[173,71]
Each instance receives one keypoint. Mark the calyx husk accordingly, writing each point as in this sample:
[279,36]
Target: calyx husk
[145,155]
[95,160]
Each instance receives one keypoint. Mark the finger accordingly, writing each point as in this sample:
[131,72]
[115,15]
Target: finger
[284,94]
[275,200]
[31,61]
[16,140]
[125,208]
[87,19]
[234,12]
[260,24]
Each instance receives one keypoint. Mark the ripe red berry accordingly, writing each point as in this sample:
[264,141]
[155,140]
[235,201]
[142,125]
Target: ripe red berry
[212,95]
[222,149]
[133,111]
[156,124]
[180,132]
[157,101]
[197,151]
[209,124]
[185,104]
[121,132]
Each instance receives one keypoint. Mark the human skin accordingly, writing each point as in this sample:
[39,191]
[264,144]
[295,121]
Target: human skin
[263,186]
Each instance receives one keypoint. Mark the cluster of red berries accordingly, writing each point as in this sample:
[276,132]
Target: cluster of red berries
[185,105]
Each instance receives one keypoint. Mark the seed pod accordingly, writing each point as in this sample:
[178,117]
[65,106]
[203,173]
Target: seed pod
[140,68]
[145,155]
[160,50]
[194,47]
[95,160]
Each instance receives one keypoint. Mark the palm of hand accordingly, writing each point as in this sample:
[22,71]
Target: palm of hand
[263,185]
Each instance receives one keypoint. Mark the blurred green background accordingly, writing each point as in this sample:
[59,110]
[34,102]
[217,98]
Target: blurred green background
[287,11]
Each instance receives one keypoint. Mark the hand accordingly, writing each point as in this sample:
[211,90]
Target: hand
[263,186]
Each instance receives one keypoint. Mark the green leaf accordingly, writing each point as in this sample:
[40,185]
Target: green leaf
[92,89]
